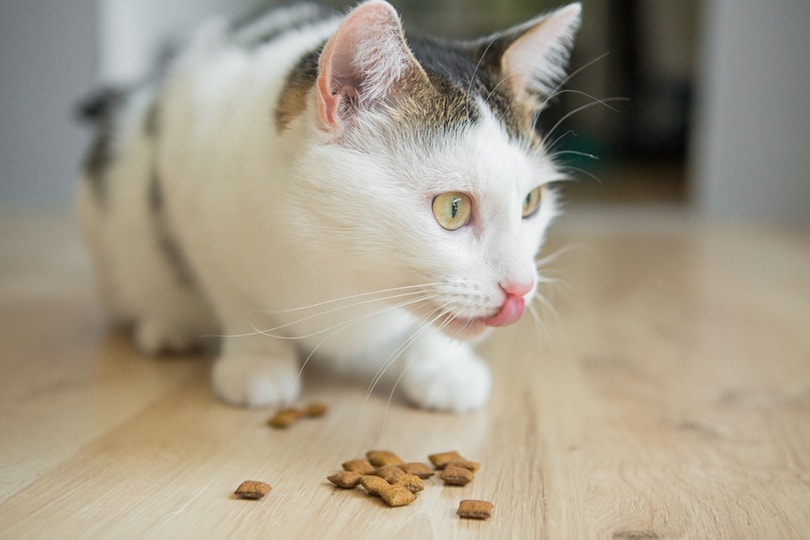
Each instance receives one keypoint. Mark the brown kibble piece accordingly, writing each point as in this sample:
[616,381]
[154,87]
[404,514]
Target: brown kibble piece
[361,466]
[284,419]
[475,509]
[389,472]
[467,464]
[380,458]
[411,482]
[252,489]
[456,476]
[442,459]
[345,479]
[418,469]
[397,496]
[315,410]
[373,484]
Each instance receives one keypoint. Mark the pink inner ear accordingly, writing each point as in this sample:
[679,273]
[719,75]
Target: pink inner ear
[364,56]
[537,57]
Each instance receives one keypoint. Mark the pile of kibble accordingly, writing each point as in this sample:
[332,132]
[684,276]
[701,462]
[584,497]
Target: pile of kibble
[386,475]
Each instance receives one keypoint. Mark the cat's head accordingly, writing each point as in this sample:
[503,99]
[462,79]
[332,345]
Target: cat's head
[427,166]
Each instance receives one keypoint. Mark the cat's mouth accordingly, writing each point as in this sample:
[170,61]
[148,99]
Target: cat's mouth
[509,313]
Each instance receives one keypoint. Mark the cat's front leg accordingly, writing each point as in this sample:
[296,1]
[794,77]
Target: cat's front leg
[445,374]
[257,371]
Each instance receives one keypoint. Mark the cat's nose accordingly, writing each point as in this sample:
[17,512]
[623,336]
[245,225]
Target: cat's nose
[517,289]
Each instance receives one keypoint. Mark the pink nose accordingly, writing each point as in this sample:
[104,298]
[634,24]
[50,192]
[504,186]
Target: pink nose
[517,289]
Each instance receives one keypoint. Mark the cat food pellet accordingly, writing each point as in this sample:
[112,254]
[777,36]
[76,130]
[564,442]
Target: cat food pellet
[284,419]
[473,509]
[467,464]
[418,469]
[389,472]
[397,495]
[380,458]
[441,460]
[361,466]
[315,410]
[456,476]
[252,489]
[373,484]
[345,479]
[411,482]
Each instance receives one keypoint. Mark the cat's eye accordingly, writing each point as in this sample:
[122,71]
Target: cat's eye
[531,204]
[452,210]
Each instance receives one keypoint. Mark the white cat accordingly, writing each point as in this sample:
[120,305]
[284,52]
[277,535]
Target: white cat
[311,183]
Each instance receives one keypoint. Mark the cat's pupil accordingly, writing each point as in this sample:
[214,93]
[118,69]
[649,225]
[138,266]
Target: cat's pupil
[454,205]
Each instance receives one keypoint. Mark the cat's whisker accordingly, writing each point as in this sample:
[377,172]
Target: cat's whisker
[601,101]
[475,71]
[338,327]
[574,153]
[551,146]
[270,332]
[579,170]
[441,327]
[353,296]
[539,322]
[556,91]
[401,348]
[564,250]
[581,108]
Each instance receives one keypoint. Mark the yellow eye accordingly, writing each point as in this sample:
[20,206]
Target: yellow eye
[452,210]
[531,204]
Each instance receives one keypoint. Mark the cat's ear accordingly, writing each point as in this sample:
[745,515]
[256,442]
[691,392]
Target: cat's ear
[363,63]
[533,56]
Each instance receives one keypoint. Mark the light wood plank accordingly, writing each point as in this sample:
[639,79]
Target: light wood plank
[670,399]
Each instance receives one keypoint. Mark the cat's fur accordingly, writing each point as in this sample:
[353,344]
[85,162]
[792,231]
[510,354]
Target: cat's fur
[276,187]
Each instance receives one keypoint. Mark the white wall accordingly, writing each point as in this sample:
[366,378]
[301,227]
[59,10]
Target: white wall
[46,65]
[132,33]
[751,145]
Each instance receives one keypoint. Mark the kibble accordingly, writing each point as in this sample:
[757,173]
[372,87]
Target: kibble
[384,474]
[411,482]
[361,466]
[287,417]
[380,458]
[474,509]
[284,419]
[397,495]
[421,470]
[252,489]
[456,476]
[315,410]
[345,479]
[442,459]
[389,472]
[373,484]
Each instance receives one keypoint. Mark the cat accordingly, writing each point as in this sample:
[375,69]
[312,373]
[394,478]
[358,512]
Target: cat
[317,185]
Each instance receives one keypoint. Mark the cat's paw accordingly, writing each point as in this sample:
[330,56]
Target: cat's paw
[457,384]
[255,381]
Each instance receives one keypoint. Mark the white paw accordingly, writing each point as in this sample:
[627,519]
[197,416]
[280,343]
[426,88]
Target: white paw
[459,383]
[153,338]
[256,381]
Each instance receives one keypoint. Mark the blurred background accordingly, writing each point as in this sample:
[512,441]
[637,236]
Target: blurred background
[712,120]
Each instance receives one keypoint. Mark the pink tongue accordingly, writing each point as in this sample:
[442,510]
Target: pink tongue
[510,312]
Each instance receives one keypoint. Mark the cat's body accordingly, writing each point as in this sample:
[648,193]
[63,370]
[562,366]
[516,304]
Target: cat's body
[272,183]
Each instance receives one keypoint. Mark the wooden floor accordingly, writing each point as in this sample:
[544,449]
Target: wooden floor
[669,399]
